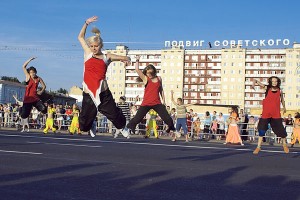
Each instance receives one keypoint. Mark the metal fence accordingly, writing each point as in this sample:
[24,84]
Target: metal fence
[12,120]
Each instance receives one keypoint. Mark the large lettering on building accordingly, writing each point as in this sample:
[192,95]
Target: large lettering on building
[229,43]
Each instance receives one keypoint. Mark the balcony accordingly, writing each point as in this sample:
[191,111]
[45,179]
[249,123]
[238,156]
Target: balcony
[265,60]
[265,68]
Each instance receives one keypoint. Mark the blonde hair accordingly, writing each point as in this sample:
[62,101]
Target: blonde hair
[96,38]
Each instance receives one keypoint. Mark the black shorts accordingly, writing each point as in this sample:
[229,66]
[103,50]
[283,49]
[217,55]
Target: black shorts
[276,125]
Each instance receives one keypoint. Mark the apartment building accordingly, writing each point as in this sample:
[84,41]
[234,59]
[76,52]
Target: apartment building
[213,77]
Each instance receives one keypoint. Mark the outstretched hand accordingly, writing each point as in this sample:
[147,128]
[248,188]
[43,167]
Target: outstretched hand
[137,57]
[28,61]
[31,59]
[126,63]
[91,19]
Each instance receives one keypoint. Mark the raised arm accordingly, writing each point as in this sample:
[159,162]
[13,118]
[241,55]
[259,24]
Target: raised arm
[190,104]
[138,71]
[258,83]
[81,36]
[24,67]
[114,57]
[172,97]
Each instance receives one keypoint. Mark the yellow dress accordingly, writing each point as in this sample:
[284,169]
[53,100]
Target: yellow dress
[296,132]
[152,124]
[74,127]
[50,121]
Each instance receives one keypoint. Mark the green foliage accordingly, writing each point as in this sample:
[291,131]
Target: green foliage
[63,91]
[12,79]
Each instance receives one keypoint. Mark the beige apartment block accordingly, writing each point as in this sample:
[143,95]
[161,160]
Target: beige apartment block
[172,62]
[212,76]
[292,77]
[233,76]
[115,74]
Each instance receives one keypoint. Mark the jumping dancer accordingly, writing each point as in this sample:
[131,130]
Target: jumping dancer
[96,94]
[271,112]
[152,93]
[31,97]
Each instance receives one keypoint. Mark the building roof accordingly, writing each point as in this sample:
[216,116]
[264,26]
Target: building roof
[4,82]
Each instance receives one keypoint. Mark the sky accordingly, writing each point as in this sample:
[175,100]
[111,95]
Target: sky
[48,29]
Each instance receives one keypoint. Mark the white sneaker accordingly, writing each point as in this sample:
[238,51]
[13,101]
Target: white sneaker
[22,130]
[28,130]
[128,137]
[92,133]
[125,132]
[116,135]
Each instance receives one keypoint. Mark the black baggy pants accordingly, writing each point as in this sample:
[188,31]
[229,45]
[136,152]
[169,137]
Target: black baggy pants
[107,107]
[143,110]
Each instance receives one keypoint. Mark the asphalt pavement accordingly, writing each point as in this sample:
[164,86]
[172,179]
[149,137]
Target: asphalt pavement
[60,166]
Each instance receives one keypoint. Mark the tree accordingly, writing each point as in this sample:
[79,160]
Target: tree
[12,79]
[63,91]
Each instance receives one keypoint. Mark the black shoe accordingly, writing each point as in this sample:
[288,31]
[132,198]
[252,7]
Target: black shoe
[292,145]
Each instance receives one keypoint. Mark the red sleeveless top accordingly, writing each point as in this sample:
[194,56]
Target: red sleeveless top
[151,94]
[31,91]
[271,105]
[94,72]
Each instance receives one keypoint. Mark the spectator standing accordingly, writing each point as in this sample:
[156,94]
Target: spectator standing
[233,136]
[221,126]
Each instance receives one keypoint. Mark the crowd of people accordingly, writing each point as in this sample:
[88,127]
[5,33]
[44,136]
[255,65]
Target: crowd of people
[99,112]
[191,125]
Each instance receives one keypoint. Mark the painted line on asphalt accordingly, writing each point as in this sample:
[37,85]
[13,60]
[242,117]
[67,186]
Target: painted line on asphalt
[200,147]
[149,144]
[64,144]
[20,152]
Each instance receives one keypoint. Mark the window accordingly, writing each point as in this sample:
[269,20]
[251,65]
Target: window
[195,58]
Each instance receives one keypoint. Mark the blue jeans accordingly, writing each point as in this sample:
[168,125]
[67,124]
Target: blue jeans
[181,123]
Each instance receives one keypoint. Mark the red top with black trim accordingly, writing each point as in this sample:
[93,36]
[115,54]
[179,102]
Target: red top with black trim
[151,94]
[271,104]
[94,71]
[31,91]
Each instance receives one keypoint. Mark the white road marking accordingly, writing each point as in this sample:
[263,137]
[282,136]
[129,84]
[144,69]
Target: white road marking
[63,144]
[20,152]
[144,143]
